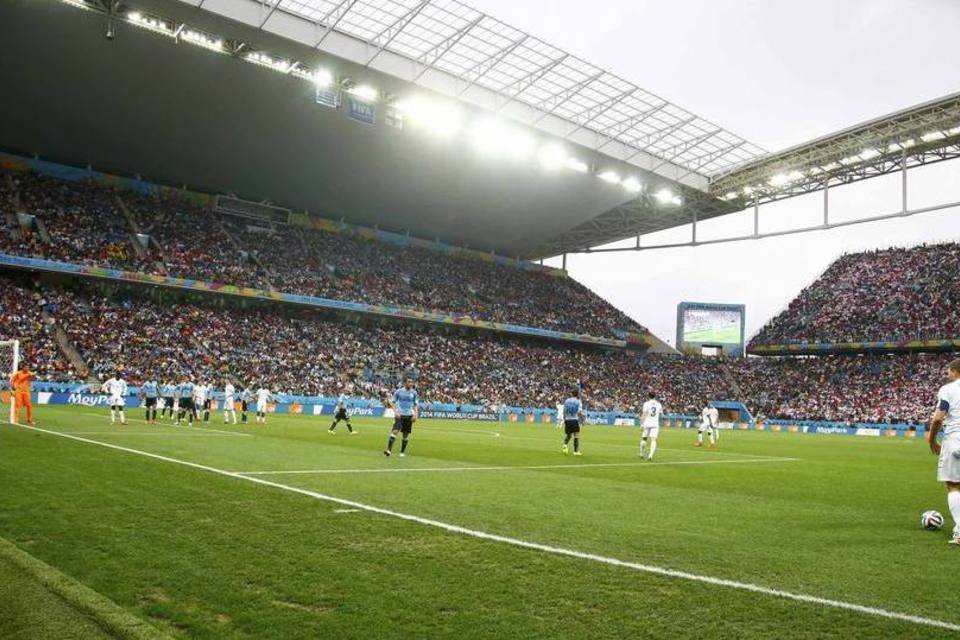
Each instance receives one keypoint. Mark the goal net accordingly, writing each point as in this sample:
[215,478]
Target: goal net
[9,363]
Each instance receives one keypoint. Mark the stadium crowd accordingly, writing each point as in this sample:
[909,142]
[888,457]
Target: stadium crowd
[892,294]
[85,223]
[301,353]
[22,318]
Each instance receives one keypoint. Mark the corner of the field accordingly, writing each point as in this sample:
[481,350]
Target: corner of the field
[109,615]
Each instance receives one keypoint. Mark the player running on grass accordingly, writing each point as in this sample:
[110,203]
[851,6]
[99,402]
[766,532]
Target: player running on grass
[405,407]
[710,422]
[652,410]
[946,416]
[573,417]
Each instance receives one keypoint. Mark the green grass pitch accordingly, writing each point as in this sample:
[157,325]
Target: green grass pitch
[201,554]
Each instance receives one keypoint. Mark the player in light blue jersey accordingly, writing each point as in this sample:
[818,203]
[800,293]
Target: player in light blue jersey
[169,391]
[406,406]
[246,397]
[573,417]
[185,393]
[149,392]
[340,413]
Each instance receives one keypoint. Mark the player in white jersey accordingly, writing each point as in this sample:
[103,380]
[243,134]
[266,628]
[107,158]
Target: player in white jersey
[709,422]
[946,416]
[116,388]
[340,413]
[201,399]
[229,397]
[650,423]
[559,415]
[263,396]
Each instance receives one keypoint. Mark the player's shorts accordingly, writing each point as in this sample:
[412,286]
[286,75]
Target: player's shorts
[404,424]
[228,404]
[206,404]
[341,414]
[244,405]
[150,403]
[22,398]
[651,432]
[116,401]
[186,404]
[948,467]
[261,407]
[168,402]
[571,426]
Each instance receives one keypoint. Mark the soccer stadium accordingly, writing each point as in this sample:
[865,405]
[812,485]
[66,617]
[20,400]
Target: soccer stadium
[401,319]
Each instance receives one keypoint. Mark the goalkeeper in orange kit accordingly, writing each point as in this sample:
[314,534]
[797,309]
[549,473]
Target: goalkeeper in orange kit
[20,383]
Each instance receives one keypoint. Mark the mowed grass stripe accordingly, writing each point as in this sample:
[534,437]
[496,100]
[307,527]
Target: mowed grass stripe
[525,544]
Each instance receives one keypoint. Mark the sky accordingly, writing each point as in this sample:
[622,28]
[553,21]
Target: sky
[779,73]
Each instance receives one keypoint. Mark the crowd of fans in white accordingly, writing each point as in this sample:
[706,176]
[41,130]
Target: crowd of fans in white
[301,353]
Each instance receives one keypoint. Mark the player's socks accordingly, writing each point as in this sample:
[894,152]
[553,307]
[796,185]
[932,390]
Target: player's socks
[643,449]
[390,442]
[576,446]
[403,445]
[712,441]
[700,437]
[953,501]
[350,428]
[653,448]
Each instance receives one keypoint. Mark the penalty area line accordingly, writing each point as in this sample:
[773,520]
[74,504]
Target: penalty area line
[533,546]
[509,467]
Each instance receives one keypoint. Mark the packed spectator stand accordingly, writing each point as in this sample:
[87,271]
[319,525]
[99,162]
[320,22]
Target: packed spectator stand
[298,352]
[86,224]
[880,295]
[888,295]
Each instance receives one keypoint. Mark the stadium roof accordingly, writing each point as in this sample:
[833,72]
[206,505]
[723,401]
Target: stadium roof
[430,42]
[261,135]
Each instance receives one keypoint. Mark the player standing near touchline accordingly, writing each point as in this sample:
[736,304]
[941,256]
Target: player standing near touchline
[341,413]
[652,410]
[405,405]
[20,392]
[116,388]
[947,416]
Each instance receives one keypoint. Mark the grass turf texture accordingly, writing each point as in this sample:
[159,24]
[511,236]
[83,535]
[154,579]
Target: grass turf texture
[203,555]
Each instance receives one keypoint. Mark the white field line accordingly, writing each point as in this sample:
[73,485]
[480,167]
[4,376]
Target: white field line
[171,425]
[346,510]
[154,434]
[535,546]
[509,467]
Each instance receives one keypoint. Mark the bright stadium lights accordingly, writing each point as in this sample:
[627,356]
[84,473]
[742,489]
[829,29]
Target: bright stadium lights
[610,177]
[748,191]
[632,185]
[80,4]
[365,92]
[264,60]
[151,23]
[552,157]
[322,78]
[577,165]
[438,117]
[493,136]
[869,154]
[202,40]
[666,196]
[730,195]
[930,136]
[782,179]
[954,131]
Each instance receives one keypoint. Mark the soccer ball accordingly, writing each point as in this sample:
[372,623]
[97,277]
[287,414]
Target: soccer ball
[931,520]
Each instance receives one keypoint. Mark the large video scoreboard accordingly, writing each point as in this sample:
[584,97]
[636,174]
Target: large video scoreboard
[704,327]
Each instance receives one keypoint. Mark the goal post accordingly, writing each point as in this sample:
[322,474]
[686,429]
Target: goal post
[9,363]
